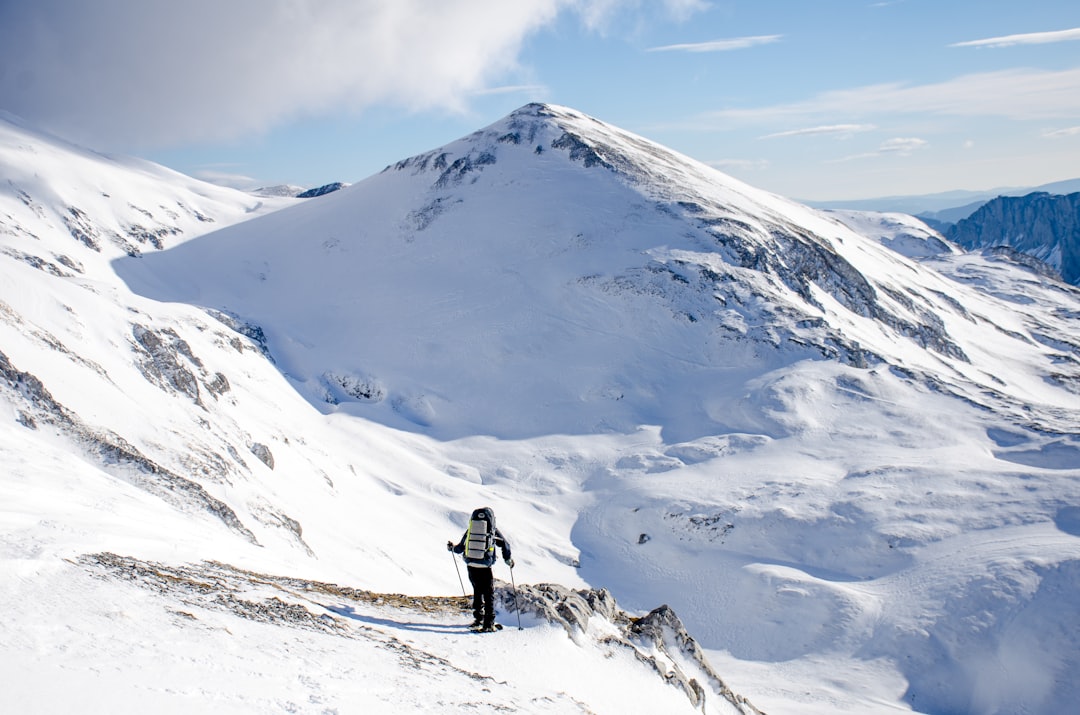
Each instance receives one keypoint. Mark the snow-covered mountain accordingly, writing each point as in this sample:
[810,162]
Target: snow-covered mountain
[842,450]
[180,530]
[555,262]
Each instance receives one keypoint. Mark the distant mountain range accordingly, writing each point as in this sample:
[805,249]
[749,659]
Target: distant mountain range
[947,206]
[1043,221]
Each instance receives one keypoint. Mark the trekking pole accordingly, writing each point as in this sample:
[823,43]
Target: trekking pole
[517,603]
[458,572]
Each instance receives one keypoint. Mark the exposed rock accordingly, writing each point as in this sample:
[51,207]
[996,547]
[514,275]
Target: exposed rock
[658,639]
[249,330]
[353,388]
[35,262]
[161,362]
[263,453]
[1043,225]
[82,229]
[153,236]
[112,452]
[321,190]
[269,515]
[166,360]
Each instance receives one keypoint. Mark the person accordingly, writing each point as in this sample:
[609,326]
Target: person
[478,548]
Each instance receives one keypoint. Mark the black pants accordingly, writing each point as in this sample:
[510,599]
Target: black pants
[483,600]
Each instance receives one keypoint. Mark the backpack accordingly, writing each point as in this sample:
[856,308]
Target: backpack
[480,538]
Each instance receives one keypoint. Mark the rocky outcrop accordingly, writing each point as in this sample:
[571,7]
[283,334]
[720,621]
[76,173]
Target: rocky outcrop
[1042,225]
[658,639]
[166,360]
[37,408]
[321,190]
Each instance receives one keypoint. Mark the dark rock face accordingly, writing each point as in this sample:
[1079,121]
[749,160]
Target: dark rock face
[1042,225]
[321,190]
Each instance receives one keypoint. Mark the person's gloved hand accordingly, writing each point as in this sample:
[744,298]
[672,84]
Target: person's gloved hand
[449,545]
[510,563]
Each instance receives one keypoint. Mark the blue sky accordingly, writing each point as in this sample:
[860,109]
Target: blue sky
[822,99]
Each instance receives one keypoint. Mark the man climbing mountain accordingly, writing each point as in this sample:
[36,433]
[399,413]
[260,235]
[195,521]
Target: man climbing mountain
[478,546]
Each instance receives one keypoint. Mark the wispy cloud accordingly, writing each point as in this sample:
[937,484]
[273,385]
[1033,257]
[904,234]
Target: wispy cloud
[898,146]
[598,14]
[734,43]
[842,130]
[225,178]
[1058,133]
[901,146]
[1030,38]
[736,164]
[530,89]
[1013,94]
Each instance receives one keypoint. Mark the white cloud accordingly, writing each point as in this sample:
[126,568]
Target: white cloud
[901,146]
[139,73]
[225,178]
[843,130]
[1058,133]
[1031,38]
[898,146]
[1013,94]
[734,43]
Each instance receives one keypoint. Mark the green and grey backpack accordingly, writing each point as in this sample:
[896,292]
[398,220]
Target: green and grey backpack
[480,538]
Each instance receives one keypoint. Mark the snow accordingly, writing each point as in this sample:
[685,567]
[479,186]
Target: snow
[895,536]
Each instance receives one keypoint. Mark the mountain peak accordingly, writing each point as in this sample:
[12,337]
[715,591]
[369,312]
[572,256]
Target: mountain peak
[607,268]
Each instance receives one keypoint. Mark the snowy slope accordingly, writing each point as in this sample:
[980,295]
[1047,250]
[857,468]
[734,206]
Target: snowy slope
[164,434]
[902,233]
[851,471]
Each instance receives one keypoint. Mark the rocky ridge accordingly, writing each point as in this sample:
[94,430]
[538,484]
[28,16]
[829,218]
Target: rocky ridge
[658,640]
[1041,225]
